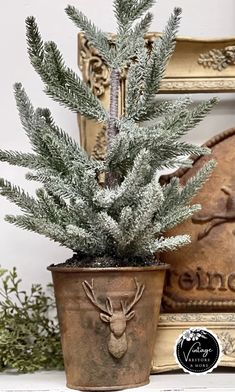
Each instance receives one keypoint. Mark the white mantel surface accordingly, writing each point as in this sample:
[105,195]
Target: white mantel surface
[219,381]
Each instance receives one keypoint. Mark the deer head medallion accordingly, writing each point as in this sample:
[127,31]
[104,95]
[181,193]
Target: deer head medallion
[117,319]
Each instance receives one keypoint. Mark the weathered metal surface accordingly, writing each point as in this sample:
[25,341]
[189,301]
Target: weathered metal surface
[202,274]
[108,321]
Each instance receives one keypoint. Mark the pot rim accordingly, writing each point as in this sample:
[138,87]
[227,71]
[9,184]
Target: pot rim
[54,268]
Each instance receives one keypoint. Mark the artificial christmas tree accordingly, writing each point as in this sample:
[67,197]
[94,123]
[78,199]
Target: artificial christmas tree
[116,229]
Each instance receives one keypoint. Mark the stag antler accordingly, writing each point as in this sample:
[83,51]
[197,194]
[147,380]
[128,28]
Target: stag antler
[139,292]
[89,290]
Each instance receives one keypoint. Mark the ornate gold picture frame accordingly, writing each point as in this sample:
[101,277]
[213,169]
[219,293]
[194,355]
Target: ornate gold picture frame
[198,65]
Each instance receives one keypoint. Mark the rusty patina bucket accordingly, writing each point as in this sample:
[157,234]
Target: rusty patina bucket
[108,320]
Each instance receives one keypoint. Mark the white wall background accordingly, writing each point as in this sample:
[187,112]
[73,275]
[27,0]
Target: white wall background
[31,253]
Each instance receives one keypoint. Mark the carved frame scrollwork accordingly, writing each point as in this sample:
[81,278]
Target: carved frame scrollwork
[218,59]
[187,72]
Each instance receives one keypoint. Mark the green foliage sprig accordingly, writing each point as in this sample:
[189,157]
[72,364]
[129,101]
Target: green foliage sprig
[29,333]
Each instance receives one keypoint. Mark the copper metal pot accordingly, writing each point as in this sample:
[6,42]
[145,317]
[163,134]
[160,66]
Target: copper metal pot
[108,320]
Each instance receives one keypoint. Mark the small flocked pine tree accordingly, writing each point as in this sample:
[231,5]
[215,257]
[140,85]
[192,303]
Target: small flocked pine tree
[124,221]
